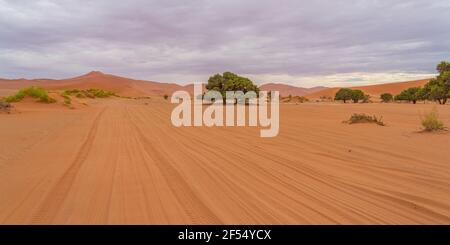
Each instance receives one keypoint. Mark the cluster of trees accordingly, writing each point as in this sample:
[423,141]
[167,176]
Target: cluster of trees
[437,89]
[346,94]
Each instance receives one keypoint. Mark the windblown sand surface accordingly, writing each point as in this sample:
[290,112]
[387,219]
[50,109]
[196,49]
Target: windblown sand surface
[121,161]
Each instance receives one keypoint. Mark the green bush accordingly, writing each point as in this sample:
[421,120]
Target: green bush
[411,94]
[363,118]
[5,106]
[301,99]
[431,122]
[356,95]
[344,94]
[99,93]
[386,97]
[67,99]
[89,93]
[35,92]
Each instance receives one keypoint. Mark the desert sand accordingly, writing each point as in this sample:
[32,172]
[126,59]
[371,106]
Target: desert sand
[120,161]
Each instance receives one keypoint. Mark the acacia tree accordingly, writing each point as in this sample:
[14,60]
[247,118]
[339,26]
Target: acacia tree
[229,81]
[357,95]
[411,94]
[344,94]
[438,89]
[386,97]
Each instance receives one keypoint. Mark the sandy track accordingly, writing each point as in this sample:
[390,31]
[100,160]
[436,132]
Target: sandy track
[121,161]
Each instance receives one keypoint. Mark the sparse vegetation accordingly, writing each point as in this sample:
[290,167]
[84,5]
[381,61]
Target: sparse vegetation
[166,96]
[431,122]
[89,93]
[325,98]
[5,106]
[386,97]
[363,118]
[301,99]
[34,92]
[138,98]
[296,99]
[366,99]
[67,99]
[437,89]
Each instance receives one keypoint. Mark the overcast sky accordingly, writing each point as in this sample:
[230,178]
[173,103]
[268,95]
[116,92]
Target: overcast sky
[304,43]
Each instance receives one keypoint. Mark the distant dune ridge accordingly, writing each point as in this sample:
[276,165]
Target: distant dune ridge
[132,87]
[95,79]
[373,90]
[286,90]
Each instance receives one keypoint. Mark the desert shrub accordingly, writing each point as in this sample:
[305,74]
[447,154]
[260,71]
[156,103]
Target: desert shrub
[166,96]
[80,95]
[363,118]
[431,122]
[301,99]
[67,99]
[366,99]
[386,97]
[325,98]
[99,93]
[5,106]
[35,92]
[90,93]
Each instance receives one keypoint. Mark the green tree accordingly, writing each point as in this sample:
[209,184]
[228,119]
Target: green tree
[411,94]
[443,67]
[438,89]
[344,94]
[386,97]
[357,95]
[229,81]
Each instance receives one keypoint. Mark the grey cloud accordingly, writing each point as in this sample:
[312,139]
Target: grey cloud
[193,39]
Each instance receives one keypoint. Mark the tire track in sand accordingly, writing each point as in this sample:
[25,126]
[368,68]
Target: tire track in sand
[194,207]
[56,196]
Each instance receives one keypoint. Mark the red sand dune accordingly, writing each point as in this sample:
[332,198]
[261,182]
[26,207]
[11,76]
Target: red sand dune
[286,90]
[373,90]
[131,87]
[120,85]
